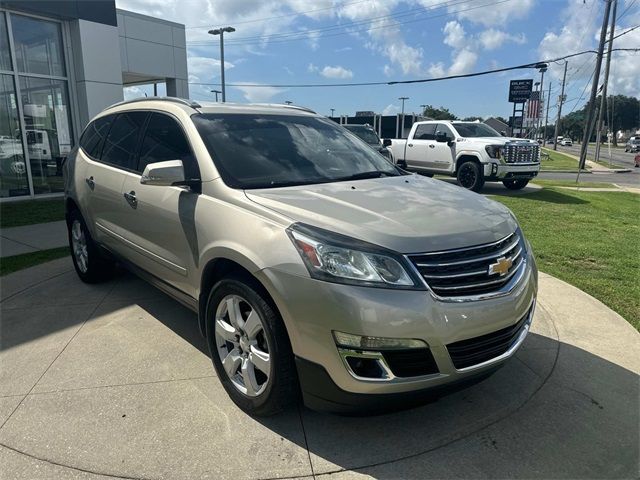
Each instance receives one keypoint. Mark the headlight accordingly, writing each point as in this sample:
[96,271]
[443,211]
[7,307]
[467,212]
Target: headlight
[494,151]
[336,258]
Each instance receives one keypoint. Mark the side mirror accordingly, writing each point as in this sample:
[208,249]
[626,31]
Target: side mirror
[441,137]
[386,142]
[163,174]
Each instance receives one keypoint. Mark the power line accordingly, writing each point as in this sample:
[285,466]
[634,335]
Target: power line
[304,35]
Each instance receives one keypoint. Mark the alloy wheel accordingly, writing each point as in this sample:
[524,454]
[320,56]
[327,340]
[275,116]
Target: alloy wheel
[242,345]
[467,176]
[79,246]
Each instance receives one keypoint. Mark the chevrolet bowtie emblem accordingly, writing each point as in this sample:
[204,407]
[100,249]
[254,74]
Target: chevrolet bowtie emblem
[501,266]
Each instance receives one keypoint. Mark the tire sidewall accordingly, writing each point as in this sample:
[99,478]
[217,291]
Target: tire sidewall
[98,268]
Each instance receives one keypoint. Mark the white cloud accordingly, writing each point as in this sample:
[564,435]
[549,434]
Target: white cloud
[336,72]
[491,39]
[463,62]
[311,68]
[391,109]
[206,68]
[387,70]
[454,35]
[437,70]
[491,16]
[258,94]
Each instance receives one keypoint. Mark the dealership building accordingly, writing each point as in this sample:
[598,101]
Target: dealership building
[61,63]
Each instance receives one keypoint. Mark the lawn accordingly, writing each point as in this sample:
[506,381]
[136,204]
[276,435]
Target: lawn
[28,212]
[18,262]
[571,183]
[558,161]
[588,239]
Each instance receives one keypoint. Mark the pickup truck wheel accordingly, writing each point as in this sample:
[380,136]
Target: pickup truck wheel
[89,262]
[470,176]
[250,347]
[516,184]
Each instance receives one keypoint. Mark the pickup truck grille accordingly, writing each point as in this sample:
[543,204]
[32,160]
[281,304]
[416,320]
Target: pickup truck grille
[521,153]
[473,270]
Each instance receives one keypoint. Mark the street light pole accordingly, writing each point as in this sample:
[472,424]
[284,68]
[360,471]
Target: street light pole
[332,110]
[402,116]
[220,31]
[216,92]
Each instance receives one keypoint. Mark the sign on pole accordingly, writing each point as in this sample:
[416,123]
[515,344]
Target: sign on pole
[520,90]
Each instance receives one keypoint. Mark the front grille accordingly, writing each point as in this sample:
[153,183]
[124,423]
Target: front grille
[471,271]
[477,350]
[411,362]
[521,153]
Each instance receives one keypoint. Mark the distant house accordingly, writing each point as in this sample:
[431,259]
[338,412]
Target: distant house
[497,125]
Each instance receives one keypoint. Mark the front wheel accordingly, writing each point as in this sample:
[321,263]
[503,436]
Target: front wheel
[250,347]
[516,184]
[470,176]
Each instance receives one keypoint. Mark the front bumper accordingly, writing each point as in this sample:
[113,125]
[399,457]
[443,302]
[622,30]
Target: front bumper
[313,309]
[505,171]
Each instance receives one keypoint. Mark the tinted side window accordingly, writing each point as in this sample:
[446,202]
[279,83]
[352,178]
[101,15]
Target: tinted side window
[121,143]
[164,140]
[443,128]
[94,135]
[425,132]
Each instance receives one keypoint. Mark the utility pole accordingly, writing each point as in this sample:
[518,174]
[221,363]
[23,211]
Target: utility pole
[557,130]
[332,110]
[288,102]
[594,88]
[216,92]
[220,31]
[402,116]
[603,98]
[543,68]
[546,118]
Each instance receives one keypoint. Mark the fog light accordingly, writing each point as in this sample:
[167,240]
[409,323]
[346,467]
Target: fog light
[375,343]
[365,367]
[494,169]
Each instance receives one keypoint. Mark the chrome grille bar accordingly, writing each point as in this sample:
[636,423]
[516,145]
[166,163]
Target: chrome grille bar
[492,256]
[467,286]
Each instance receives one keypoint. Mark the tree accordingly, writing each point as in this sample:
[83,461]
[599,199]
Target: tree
[503,120]
[473,119]
[438,113]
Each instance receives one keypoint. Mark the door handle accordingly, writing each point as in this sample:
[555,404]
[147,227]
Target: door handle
[410,145]
[131,199]
[431,145]
[91,182]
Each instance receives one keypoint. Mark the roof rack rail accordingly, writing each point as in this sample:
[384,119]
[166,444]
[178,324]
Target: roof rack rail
[285,105]
[183,101]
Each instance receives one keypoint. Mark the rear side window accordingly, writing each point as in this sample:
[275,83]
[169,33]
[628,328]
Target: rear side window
[425,132]
[164,140]
[122,141]
[94,135]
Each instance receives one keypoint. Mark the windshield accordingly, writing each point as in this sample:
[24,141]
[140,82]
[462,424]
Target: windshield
[364,133]
[475,130]
[263,151]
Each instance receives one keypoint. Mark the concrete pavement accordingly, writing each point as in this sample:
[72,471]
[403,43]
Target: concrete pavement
[32,238]
[113,380]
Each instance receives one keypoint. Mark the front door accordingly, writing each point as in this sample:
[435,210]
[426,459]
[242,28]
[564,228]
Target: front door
[443,155]
[159,227]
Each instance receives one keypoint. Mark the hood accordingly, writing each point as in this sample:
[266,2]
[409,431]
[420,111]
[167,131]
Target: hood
[494,140]
[407,214]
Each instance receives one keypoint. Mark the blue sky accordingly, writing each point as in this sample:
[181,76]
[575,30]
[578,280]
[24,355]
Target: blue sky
[331,41]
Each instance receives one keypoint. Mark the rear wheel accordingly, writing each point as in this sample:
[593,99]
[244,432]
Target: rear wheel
[518,184]
[470,176]
[90,263]
[250,347]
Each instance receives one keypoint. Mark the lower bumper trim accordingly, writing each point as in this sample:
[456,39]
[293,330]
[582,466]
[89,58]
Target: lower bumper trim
[319,392]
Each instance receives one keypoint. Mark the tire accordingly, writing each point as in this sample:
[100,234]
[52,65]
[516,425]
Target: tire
[250,347]
[430,175]
[516,184]
[470,176]
[90,263]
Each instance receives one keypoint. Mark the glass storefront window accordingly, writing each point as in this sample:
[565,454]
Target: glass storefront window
[38,46]
[48,130]
[5,57]
[13,170]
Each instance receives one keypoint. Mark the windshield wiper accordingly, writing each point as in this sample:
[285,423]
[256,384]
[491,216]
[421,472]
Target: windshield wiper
[365,175]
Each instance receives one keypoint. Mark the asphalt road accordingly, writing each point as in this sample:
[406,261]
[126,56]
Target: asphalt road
[618,155]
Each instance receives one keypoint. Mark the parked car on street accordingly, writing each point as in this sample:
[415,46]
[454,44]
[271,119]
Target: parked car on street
[633,145]
[566,142]
[369,136]
[472,152]
[313,263]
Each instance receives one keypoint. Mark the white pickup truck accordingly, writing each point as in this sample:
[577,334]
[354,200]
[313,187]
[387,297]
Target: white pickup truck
[470,151]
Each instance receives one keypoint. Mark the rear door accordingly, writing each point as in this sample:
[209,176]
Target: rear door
[106,175]
[159,226]
[417,154]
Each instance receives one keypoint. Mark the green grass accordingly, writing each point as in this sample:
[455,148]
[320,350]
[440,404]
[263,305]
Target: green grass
[558,161]
[588,239]
[605,163]
[571,183]
[28,212]
[26,260]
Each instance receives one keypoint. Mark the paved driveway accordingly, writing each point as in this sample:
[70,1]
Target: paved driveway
[115,381]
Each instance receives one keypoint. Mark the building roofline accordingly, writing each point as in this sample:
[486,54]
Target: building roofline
[149,18]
